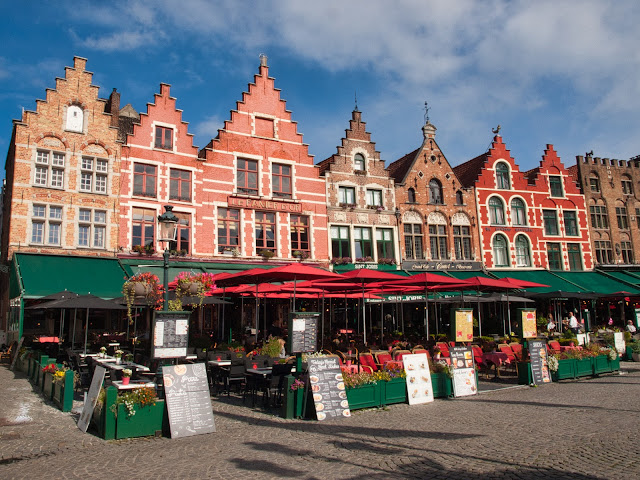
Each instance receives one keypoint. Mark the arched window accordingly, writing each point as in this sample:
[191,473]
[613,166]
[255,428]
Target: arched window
[411,196]
[594,182]
[500,253]
[75,118]
[435,191]
[523,253]
[502,176]
[518,212]
[496,211]
[459,199]
[359,163]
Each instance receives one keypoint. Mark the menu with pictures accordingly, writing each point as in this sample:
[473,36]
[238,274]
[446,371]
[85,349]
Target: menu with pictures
[327,388]
[539,362]
[464,372]
[304,332]
[419,388]
[170,334]
[188,400]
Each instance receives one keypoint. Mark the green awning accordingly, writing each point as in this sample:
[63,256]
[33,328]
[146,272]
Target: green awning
[623,276]
[556,283]
[144,264]
[41,275]
[598,283]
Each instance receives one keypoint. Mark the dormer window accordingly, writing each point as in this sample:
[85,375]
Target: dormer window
[359,162]
[555,186]
[411,196]
[502,176]
[75,119]
[164,138]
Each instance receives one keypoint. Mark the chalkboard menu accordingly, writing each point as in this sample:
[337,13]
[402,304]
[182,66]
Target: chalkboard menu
[303,332]
[170,334]
[464,373]
[327,388]
[15,353]
[188,400]
[539,364]
[92,398]
[462,324]
[419,387]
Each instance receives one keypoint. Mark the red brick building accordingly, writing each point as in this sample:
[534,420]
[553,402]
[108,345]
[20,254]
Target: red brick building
[360,202]
[532,220]
[437,211]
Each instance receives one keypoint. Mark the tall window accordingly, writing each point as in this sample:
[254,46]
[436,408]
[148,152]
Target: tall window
[180,185]
[599,218]
[93,177]
[621,216]
[555,186]
[594,183]
[384,243]
[362,242]
[265,231]
[500,251]
[459,198]
[281,180]
[626,250]
[300,233]
[374,198]
[340,242]
[523,253]
[92,228]
[502,176]
[638,217]
[144,180]
[627,186]
[413,241]
[571,223]
[438,242]
[462,242]
[496,211]
[144,227]
[359,162]
[347,195]
[518,212]
[46,225]
[247,177]
[604,253]
[164,138]
[49,169]
[183,234]
[555,256]
[411,196]
[550,219]
[228,229]
[435,191]
[575,257]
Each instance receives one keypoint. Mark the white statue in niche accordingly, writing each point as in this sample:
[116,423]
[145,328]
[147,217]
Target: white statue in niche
[75,118]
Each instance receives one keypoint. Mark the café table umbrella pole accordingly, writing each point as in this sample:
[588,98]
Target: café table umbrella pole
[86,333]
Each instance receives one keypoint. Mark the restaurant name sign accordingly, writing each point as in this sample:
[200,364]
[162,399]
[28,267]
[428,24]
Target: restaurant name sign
[264,204]
[442,265]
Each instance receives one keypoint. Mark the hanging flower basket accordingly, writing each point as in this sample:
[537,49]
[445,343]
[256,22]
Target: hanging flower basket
[191,284]
[142,286]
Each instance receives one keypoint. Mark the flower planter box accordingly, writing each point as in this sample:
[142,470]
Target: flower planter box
[566,369]
[63,392]
[394,391]
[442,385]
[601,364]
[365,396]
[47,386]
[584,367]
[614,365]
[113,423]
[524,373]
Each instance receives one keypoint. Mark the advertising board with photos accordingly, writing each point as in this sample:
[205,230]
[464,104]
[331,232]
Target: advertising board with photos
[419,387]
[464,372]
[328,388]
[539,362]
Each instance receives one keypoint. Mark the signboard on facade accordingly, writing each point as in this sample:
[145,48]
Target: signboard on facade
[419,387]
[170,334]
[619,343]
[440,265]
[240,202]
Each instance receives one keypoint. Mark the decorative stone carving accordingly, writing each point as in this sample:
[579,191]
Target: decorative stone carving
[436,218]
[363,218]
[383,219]
[339,216]
[460,219]
[411,217]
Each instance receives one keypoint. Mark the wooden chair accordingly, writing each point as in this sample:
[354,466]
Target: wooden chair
[444,348]
[417,347]
[367,360]
[517,351]
[398,354]
[421,350]
[382,358]
[477,357]
[554,346]
[512,360]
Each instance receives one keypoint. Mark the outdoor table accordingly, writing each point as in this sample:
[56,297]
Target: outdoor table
[496,359]
[265,372]
[122,366]
[132,385]
[104,360]
[219,363]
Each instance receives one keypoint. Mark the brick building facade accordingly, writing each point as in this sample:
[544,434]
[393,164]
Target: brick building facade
[437,211]
[360,202]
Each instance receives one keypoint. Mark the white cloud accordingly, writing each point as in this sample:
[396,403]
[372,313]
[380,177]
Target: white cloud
[207,128]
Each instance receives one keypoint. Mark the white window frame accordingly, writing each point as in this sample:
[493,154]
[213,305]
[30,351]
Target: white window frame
[94,174]
[94,226]
[46,221]
[51,161]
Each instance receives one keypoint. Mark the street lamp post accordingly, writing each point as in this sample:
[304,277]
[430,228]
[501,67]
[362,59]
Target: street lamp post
[168,227]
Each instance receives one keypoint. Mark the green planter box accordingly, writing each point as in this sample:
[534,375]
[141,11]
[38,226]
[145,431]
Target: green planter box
[524,373]
[47,385]
[147,420]
[63,392]
[614,365]
[442,385]
[394,391]
[601,364]
[365,396]
[584,367]
[566,369]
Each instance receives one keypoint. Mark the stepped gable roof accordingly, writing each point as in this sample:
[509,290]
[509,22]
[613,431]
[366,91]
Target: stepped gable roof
[573,171]
[398,170]
[469,171]
[323,166]
[532,175]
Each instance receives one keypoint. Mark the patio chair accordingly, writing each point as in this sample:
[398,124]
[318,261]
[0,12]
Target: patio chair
[417,347]
[517,351]
[367,360]
[382,358]
[477,357]
[512,360]
[234,374]
[444,349]
[421,350]
[554,346]
[398,354]
[272,387]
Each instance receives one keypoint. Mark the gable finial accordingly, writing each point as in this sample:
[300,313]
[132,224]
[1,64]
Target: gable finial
[355,96]
[496,130]
[426,113]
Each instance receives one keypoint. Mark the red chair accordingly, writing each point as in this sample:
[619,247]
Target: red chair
[554,346]
[517,350]
[444,349]
[398,354]
[477,356]
[421,350]
[367,360]
[506,349]
[382,358]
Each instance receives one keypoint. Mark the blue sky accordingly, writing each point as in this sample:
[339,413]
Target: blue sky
[560,72]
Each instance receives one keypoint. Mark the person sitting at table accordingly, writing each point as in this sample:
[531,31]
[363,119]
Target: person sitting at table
[283,350]
[551,326]
[631,328]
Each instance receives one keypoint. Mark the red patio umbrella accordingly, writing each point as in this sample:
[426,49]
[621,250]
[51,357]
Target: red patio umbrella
[524,283]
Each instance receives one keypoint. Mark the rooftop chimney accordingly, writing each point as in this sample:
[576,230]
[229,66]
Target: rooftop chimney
[263,60]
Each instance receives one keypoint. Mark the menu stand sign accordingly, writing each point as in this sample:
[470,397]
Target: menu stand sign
[419,388]
[304,332]
[170,334]
[619,343]
[92,398]
[464,372]
[188,400]
[462,324]
[327,388]
[539,362]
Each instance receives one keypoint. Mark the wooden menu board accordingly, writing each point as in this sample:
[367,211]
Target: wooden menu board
[528,327]
[419,388]
[92,398]
[327,387]
[303,332]
[188,400]
[464,372]
[539,362]
[462,324]
[170,334]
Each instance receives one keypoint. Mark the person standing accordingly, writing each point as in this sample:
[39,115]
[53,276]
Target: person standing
[551,326]
[573,323]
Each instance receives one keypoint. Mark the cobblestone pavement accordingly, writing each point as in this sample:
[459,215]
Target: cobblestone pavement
[584,429]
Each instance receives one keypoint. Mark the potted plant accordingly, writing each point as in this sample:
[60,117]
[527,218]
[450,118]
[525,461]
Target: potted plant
[126,376]
[103,352]
[635,351]
[266,253]
[142,286]
[192,284]
[118,356]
